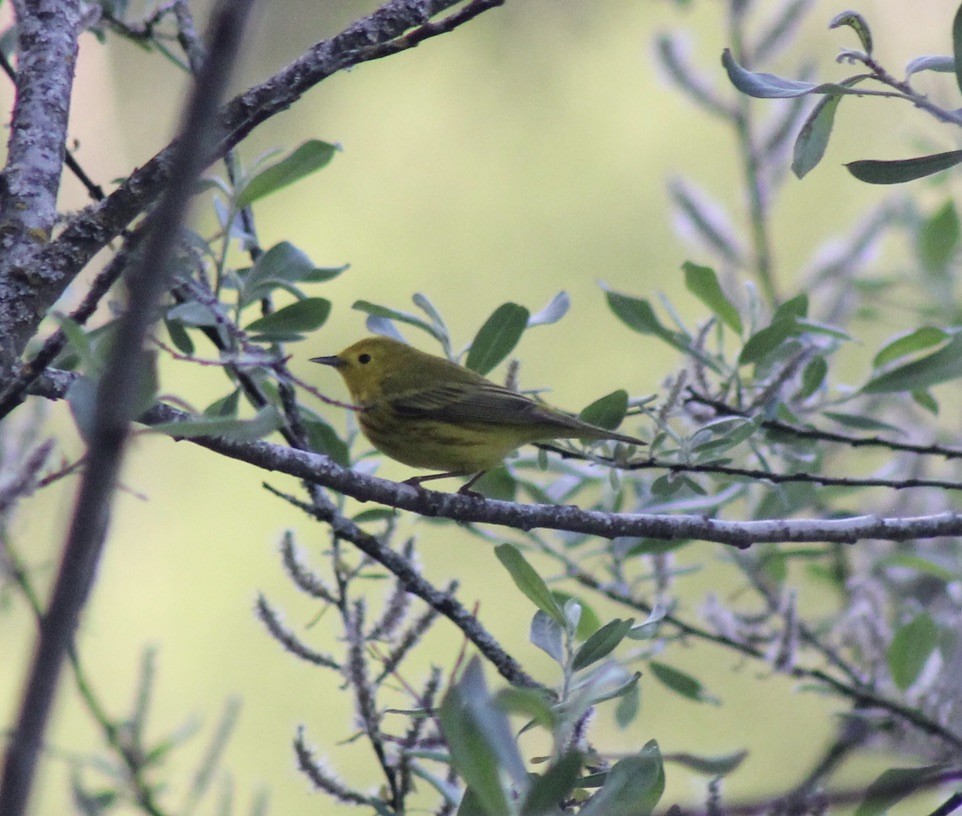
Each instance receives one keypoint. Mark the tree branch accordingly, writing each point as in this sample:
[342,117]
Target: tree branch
[47,32]
[378,35]
[116,397]
[319,469]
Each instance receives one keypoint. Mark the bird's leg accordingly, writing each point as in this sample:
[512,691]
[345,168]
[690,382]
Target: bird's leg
[464,490]
[415,481]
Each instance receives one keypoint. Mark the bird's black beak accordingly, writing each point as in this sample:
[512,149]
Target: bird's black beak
[333,360]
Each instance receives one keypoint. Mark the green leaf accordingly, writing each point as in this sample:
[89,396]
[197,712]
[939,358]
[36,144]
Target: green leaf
[147,383]
[905,344]
[925,400]
[857,23]
[304,160]
[179,337]
[192,314]
[930,62]
[528,702]
[768,86]
[813,376]
[82,400]
[680,682]
[938,239]
[910,649]
[80,342]
[225,406]
[919,564]
[714,766]
[548,791]
[893,786]
[497,338]
[324,439]
[813,136]
[601,643]
[703,283]
[632,787]
[765,341]
[637,314]
[628,706]
[388,313]
[861,422]
[899,171]
[425,305]
[607,411]
[281,265]
[555,309]
[471,805]
[796,307]
[480,740]
[301,316]
[957,46]
[938,367]
[588,622]
[548,635]
[267,419]
[529,582]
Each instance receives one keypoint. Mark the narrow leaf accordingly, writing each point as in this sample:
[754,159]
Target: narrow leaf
[930,62]
[547,634]
[893,786]
[302,316]
[768,86]
[938,239]
[304,160]
[601,643]
[529,582]
[497,338]
[703,283]
[938,367]
[906,344]
[549,790]
[480,740]
[813,136]
[554,310]
[607,411]
[910,649]
[241,430]
[376,310]
[796,307]
[857,23]
[632,787]
[680,682]
[766,340]
[898,171]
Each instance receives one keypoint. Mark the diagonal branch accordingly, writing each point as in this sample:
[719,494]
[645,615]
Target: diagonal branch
[386,31]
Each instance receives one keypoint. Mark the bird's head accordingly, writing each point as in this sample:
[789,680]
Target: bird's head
[365,364]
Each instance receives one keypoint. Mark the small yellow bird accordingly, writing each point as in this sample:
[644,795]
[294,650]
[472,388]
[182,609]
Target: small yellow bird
[427,412]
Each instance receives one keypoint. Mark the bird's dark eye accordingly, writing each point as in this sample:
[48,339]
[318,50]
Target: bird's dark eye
[364,359]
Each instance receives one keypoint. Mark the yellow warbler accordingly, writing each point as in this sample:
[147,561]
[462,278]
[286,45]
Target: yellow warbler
[427,412]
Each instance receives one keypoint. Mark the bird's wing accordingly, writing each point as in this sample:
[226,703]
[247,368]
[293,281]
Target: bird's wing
[453,402]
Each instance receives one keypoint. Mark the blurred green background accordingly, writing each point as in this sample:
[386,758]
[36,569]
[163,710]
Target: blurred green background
[526,153]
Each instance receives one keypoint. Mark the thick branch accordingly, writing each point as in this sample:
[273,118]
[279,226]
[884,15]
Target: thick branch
[47,42]
[313,467]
